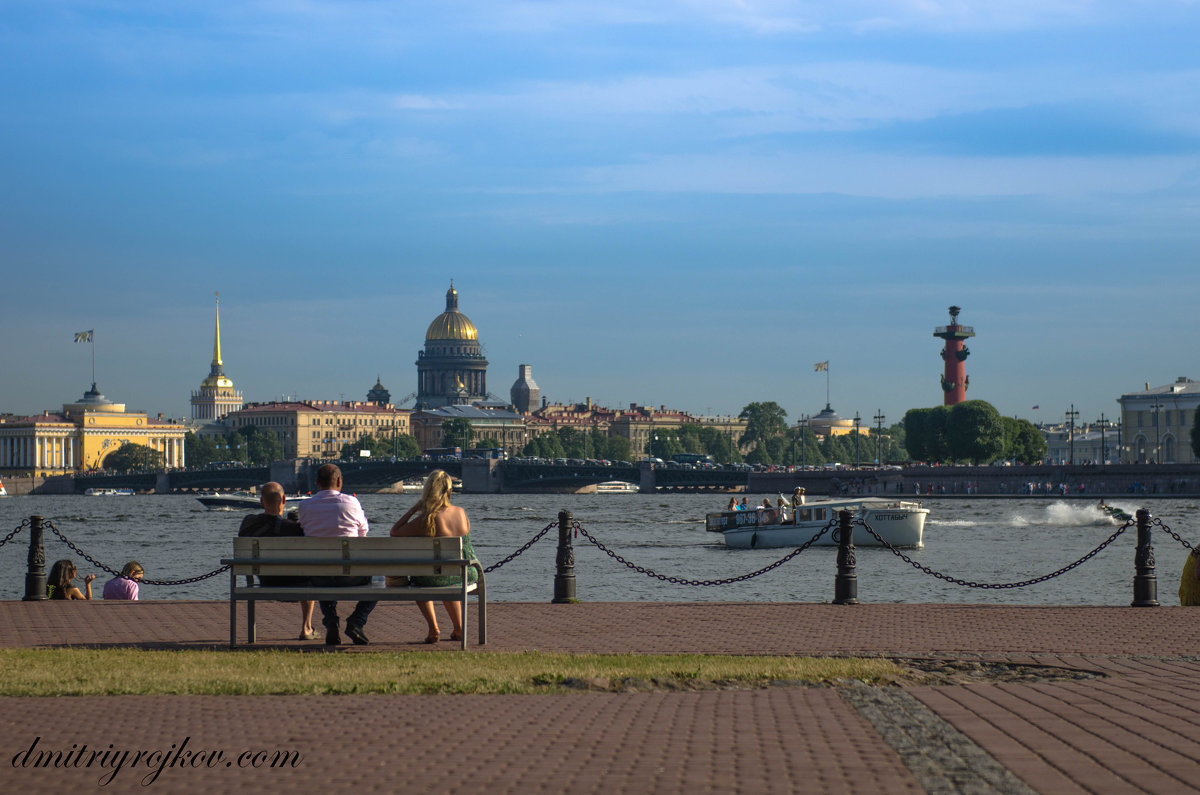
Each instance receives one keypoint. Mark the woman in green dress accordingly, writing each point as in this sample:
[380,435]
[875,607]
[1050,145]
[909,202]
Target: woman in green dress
[434,516]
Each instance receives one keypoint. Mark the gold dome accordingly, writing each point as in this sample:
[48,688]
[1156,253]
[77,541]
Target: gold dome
[452,324]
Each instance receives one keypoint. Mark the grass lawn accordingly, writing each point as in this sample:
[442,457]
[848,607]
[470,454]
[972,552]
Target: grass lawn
[79,672]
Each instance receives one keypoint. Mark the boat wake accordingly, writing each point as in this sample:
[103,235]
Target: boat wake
[1067,514]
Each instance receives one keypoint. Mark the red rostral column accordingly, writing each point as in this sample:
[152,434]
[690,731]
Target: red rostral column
[955,380]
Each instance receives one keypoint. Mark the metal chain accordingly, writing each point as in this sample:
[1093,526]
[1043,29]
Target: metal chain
[684,581]
[993,585]
[115,573]
[527,545]
[13,534]
[1158,523]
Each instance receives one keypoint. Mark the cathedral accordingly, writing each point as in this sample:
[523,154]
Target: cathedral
[451,370]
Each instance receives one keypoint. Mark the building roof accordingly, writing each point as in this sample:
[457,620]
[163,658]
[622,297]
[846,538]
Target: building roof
[471,413]
[1182,386]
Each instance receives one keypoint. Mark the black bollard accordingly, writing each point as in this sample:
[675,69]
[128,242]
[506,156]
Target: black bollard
[845,584]
[564,576]
[1145,583]
[35,574]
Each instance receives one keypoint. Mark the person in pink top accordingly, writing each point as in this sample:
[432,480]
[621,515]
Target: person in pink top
[331,514]
[127,585]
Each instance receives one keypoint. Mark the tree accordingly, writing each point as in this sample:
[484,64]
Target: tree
[457,432]
[198,451]
[130,457]
[1024,442]
[260,447]
[404,445]
[763,420]
[617,448]
[975,432]
[378,447]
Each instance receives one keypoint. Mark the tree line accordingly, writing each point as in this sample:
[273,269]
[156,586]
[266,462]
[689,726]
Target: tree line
[971,431]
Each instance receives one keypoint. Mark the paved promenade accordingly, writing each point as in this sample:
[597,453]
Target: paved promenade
[1136,728]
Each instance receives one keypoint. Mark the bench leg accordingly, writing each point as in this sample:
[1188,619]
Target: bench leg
[232,622]
[250,625]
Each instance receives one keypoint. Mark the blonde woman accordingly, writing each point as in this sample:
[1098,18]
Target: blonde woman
[434,516]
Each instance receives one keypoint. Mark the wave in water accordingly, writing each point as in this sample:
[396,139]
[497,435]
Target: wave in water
[1065,514]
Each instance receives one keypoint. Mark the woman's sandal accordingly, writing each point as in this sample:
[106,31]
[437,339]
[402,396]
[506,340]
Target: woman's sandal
[455,636]
[433,637]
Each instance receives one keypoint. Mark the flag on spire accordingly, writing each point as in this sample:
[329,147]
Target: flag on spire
[84,336]
[821,367]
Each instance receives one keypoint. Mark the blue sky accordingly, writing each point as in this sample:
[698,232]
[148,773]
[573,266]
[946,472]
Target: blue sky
[679,203]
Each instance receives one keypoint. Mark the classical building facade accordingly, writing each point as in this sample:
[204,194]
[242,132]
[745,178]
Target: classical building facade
[319,428]
[451,370]
[1156,423]
[82,435]
[216,396]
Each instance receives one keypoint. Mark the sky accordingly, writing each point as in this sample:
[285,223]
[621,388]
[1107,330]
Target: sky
[682,203]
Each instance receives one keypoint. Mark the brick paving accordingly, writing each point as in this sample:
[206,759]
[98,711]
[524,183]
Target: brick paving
[1135,730]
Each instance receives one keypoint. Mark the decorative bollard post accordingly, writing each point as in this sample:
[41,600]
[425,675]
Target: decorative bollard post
[845,584]
[35,574]
[564,576]
[1145,582]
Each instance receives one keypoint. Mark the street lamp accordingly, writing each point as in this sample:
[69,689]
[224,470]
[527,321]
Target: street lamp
[1103,447]
[857,457]
[803,440]
[879,418]
[1071,415]
[1157,435]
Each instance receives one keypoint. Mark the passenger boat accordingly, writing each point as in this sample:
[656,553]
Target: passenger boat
[109,492]
[241,501]
[616,487]
[899,522]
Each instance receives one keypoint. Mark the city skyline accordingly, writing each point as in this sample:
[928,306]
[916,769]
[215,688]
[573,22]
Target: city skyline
[688,204]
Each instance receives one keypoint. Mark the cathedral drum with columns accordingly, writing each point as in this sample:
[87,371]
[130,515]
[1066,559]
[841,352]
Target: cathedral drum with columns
[451,370]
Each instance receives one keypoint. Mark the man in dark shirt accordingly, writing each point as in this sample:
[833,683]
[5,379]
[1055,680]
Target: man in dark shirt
[272,523]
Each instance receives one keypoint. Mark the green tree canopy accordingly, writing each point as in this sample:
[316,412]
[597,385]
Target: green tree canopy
[763,421]
[457,432]
[198,451]
[130,457]
[259,446]
[975,432]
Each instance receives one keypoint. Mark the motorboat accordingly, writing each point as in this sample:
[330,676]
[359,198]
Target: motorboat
[241,501]
[109,492]
[900,523]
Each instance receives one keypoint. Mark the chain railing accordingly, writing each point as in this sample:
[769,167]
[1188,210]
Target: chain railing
[116,573]
[994,585]
[702,583]
[522,550]
[1159,524]
[14,532]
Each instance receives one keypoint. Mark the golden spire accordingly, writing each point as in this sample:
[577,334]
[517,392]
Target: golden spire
[217,335]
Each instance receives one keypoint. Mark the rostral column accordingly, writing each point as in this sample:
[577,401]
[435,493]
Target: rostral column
[954,379]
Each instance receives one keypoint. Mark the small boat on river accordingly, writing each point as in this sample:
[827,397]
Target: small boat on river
[241,501]
[900,523]
[109,492]
[616,487]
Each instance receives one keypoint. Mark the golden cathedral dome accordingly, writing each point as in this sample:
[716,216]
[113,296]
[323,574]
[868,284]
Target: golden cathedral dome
[452,324]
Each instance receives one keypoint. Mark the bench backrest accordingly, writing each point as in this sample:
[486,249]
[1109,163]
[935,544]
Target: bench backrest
[331,557]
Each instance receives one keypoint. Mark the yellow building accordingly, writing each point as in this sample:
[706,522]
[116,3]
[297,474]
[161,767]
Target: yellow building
[216,396]
[319,428]
[80,437]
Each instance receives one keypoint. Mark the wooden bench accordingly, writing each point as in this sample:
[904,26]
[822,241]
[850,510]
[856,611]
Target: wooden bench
[353,557]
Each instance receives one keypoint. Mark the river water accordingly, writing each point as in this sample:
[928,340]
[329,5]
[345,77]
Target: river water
[979,539]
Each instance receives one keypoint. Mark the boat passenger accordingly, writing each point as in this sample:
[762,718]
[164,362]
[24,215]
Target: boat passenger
[733,506]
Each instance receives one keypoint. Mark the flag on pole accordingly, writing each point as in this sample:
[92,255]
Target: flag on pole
[821,367]
[1035,408]
[84,336]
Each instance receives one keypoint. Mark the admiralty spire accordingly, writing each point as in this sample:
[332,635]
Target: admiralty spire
[216,396]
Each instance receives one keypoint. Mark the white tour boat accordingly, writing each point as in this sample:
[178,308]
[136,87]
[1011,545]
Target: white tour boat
[109,492]
[899,522]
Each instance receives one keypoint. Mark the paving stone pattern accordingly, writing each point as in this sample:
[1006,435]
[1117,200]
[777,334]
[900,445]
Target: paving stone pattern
[1132,729]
